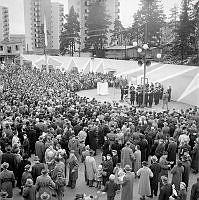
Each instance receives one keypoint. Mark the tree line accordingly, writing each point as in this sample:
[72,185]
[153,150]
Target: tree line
[177,35]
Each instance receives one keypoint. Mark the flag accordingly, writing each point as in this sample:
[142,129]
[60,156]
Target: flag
[45,31]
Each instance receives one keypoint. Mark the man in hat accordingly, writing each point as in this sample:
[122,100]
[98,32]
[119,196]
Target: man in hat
[127,184]
[172,150]
[145,173]
[29,190]
[37,168]
[110,188]
[73,170]
[91,168]
[155,168]
[40,149]
[166,189]
[7,180]
[127,156]
[10,158]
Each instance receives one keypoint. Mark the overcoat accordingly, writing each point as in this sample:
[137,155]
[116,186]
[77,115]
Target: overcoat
[91,168]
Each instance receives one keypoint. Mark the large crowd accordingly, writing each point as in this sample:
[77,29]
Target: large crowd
[42,115]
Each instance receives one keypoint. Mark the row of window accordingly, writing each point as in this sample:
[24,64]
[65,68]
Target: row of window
[9,48]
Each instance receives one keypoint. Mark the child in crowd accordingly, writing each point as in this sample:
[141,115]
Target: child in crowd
[99,177]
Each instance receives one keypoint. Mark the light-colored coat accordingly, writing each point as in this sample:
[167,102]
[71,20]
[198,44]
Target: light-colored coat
[127,157]
[91,168]
[127,186]
[144,188]
[138,163]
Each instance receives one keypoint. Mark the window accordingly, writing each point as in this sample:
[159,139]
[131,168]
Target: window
[9,50]
[1,48]
[17,47]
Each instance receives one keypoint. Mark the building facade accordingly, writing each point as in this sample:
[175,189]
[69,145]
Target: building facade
[36,13]
[82,8]
[57,23]
[4,23]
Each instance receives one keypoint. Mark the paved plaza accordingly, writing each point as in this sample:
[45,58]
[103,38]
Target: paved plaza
[114,95]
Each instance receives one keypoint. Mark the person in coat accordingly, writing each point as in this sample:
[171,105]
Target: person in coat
[73,144]
[37,168]
[127,184]
[7,180]
[182,194]
[187,167]
[44,183]
[40,149]
[138,163]
[155,168]
[195,191]
[195,158]
[172,150]
[91,168]
[110,188]
[166,189]
[29,190]
[26,175]
[127,156]
[177,172]
[73,170]
[145,173]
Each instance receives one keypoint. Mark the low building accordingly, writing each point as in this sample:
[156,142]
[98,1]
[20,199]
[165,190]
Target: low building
[9,50]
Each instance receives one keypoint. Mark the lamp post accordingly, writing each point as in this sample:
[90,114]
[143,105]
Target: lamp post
[143,51]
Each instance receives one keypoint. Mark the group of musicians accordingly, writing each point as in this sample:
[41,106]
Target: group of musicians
[153,94]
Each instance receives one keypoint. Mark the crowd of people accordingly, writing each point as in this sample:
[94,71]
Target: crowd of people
[41,114]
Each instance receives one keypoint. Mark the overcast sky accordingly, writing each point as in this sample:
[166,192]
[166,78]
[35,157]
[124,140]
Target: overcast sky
[127,9]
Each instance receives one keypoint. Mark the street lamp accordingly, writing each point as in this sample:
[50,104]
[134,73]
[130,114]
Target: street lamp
[143,51]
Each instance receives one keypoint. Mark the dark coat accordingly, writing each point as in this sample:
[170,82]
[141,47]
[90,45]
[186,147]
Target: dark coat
[36,170]
[73,169]
[172,148]
[110,188]
[156,169]
[195,191]
[11,160]
[195,158]
[40,150]
[29,193]
[165,192]
[185,175]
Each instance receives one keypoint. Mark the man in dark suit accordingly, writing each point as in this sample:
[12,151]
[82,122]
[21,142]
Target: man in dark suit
[166,190]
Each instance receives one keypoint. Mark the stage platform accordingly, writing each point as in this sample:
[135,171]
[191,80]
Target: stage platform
[114,95]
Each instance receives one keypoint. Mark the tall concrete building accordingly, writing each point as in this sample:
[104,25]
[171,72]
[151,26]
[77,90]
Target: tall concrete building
[82,8]
[4,23]
[57,18]
[34,12]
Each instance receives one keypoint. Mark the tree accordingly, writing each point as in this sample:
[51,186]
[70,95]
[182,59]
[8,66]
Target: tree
[117,33]
[97,27]
[173,18]
[183,43]
[70,32]
[148,21]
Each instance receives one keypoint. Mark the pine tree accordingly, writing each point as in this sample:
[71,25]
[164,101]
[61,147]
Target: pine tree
[70,32]
[151,19]
[183,44]
[97,27]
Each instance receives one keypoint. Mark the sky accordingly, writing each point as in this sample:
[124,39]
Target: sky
[127,10]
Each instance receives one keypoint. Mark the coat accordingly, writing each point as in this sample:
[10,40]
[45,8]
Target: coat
[36,170]
[110,188]
[7,182]
[177,176]
[156,169]
[127,186]
[165,192]
[11,160]
[172,149]
[44,184]
[195,191]
[185,175]
[73,169]
[137,164]
[127,157]
[144,187]
[91,168]
[29,193]
[195,158]
[40,150]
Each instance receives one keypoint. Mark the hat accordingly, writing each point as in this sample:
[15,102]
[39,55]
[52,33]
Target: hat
[164,179]
[27,167]
[154,159]
[45,196]
[44,171]
[29,182]
[144,163]
[5,165]
[36,158]
[112,177]
[127,168]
